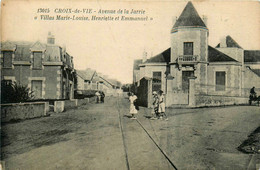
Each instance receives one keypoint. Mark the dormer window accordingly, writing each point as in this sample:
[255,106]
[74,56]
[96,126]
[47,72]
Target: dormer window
[188,48]
[7,59]
[37,60]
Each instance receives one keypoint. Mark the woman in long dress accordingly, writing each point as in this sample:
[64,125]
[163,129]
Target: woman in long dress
[162,105]
[133,110]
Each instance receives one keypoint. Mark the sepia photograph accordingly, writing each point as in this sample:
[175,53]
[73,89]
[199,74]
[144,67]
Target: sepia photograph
[131,84]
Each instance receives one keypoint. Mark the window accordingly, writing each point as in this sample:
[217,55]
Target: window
[37,60]
[7,56]
[220,81]
[188,48]
[157,81]
[37,89]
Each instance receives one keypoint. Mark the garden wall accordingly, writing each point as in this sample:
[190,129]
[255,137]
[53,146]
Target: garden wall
[21,111]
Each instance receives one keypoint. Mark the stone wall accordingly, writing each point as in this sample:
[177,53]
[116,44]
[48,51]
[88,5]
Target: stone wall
[176,98]
[60,106]
[21,111]
[214,100]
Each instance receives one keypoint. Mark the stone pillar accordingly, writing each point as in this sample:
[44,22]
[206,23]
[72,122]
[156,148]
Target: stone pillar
[58,106]
[192,102]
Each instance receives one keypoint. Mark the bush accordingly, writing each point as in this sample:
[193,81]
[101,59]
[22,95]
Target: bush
[14,93]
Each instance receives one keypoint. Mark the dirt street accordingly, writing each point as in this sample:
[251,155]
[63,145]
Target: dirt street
[102,136]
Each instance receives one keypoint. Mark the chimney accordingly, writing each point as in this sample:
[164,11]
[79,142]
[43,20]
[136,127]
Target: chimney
[144,56]
[205,20]
[223,43]
[50,39]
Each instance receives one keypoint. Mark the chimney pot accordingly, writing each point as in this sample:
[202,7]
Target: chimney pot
[50,39]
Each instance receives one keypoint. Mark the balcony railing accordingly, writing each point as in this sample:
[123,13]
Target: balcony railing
[187,58]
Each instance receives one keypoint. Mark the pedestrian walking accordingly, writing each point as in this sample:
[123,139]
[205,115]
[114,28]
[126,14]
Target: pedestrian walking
[162,105]
[102,96]
[155,106]
[133,104]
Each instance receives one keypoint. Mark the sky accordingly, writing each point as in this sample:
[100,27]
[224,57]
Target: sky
[111,46]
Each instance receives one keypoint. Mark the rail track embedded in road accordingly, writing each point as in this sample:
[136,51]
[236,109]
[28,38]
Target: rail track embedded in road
[123,136]
[150,137]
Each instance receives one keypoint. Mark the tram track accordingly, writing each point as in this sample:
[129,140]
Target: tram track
[149,137]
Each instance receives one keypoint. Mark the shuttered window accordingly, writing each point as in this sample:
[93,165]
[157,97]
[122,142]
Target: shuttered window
[220,81]
[188,48]
[37,60]
[7,57]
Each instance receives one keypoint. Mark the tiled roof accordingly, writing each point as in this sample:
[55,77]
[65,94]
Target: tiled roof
[216,56]
[136,64]
[163,57]
[230,42]
[252,56]
[189,17]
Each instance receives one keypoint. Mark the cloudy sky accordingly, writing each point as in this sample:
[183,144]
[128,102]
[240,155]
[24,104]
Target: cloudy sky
[111,46]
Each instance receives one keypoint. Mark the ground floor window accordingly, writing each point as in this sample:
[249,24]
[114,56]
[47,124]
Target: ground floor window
[220,80]
[37,89]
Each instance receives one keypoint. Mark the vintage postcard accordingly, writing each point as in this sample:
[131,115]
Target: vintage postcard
[95,84]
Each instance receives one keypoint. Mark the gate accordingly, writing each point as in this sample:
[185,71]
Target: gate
[144,92]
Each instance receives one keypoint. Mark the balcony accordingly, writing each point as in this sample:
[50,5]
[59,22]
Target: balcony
[187,59]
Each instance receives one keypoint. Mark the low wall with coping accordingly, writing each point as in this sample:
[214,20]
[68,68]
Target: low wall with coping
[214,100]
[60,106]
[21,111]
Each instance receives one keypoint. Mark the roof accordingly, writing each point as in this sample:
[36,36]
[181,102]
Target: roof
[230,42]
[52,53]
[256,71]
[23,51]
[86,74]
[252,56]
[216,56]
[189,17]
[163,57]
[136,64]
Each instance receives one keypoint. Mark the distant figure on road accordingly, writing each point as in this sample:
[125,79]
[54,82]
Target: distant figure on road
[102,98]
[155,106]
[162,105]
[97,96]
[133,109]
[253,93]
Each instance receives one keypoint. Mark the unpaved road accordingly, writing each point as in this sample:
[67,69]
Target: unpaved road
[90,137]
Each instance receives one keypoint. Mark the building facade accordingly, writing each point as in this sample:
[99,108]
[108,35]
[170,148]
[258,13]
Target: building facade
[89,79]
[46,68]
[193,73]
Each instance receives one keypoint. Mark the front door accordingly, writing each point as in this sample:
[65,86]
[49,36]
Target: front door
[185,80]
